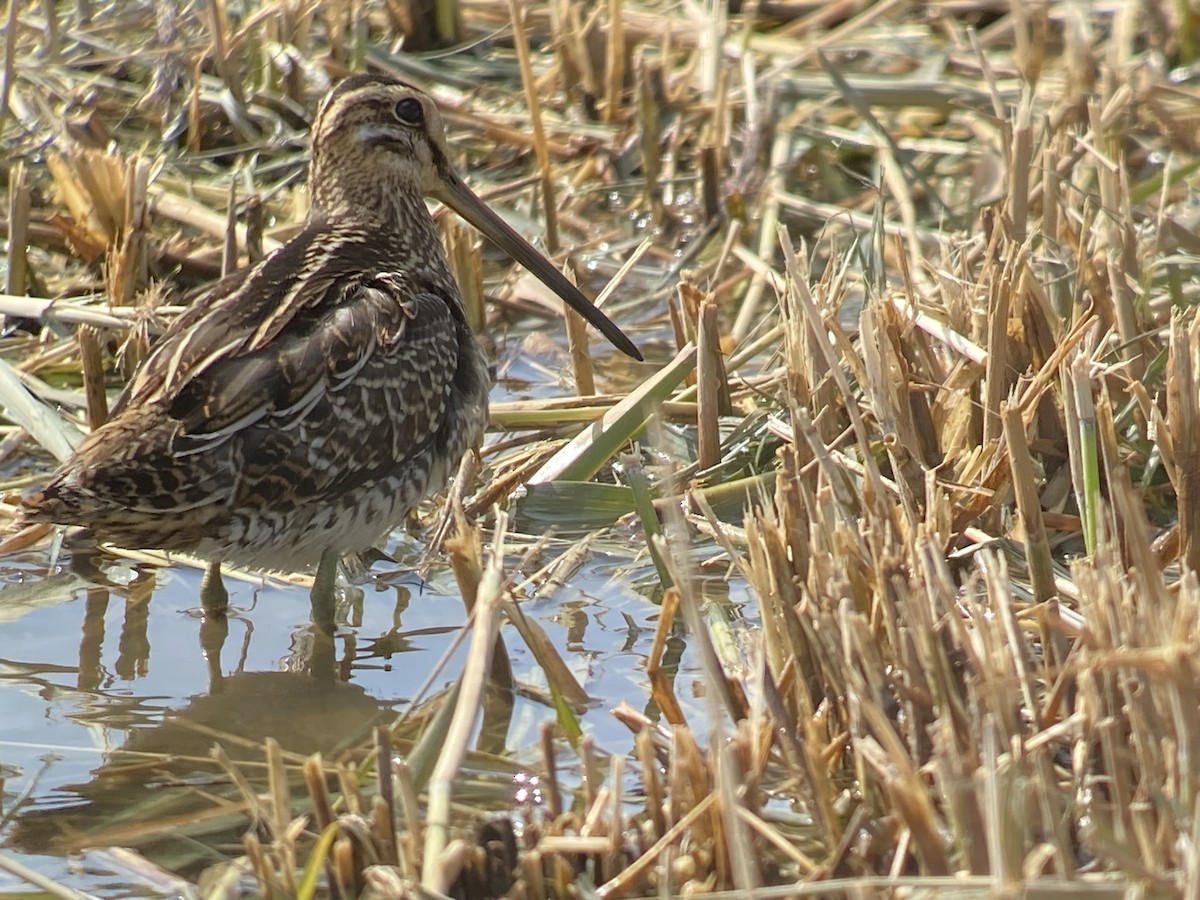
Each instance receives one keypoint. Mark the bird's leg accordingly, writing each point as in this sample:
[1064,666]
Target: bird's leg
[322,660]
[214,626]
[324,593]
[214,599]
[214,629]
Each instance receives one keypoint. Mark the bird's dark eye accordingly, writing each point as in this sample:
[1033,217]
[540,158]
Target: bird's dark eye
[410,112]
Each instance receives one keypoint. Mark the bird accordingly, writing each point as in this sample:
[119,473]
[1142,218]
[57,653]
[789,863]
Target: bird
[302,406]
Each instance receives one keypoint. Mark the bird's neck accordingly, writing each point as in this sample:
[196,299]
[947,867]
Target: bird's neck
[374,203]
[391,225]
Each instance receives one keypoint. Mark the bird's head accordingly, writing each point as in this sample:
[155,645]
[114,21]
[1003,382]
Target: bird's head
[378,128]
[379,147]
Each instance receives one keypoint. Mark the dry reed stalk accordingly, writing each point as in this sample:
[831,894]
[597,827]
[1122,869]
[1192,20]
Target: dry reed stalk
[222,50]
[91,356]
[649,87]
[16,277]
[726,689]
[557,671]
[1020,156]
[621,884]
[889,381]
[1183,412]
[410,838]
[557,573]
[747,317]
[281,814]
[50,430]
[614,63]
[254,229]
[661,686]
[50,886]
[581,363]
[712,395]
[437,870]
[195,215]
[805,305]
[577,457]
[467,265]
[568,37]
[996,380]
[581,357]
[509,135]
[384,811]
[465,558]
[709,183]
[1029,506]
[745,870]
[229,246]
[549,203]
[12,32]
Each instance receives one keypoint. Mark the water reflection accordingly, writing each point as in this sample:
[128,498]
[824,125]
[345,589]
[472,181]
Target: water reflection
[163,794]
[159,789]
[131,687]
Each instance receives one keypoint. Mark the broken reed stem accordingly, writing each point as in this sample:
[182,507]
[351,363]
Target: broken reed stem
[463,254]
[744,863]
[1037,548]
[227,66]
[671,547]
[463,550]
[1183,412]
[1020,160]
[712,386]
[254,228]
[50,886]
[552,794]
[614,63]
[625,881]
[91,356]
[318,792]
[556,670]
[11,30]
[281,813]
[581,356]
[132,261]
[412,816]
[817,329]
[385,801]
[465,556]
[16,281]
[649,88]
[995,380]
[1085,460]
[229,247]
[577,331]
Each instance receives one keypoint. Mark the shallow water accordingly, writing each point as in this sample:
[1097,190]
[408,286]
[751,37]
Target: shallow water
[111,697]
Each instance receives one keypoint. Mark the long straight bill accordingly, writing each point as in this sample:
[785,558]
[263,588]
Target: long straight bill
[460,198]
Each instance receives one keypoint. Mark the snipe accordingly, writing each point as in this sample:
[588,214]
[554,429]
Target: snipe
[301,407]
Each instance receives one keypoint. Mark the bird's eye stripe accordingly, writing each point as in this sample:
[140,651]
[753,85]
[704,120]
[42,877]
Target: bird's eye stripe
[409,111]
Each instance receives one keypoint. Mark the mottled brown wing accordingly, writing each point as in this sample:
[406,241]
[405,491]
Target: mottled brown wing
[336,400]
[228,319]
[197,303]
[345,397]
